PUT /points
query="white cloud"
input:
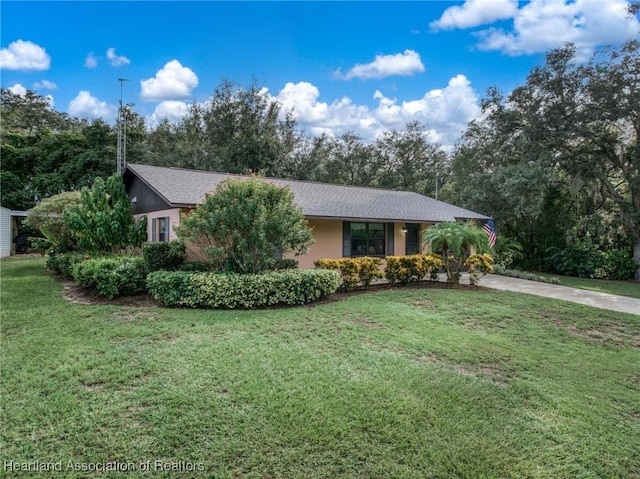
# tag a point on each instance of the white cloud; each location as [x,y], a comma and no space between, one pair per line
[45,85]
[406,63]
[475,12]
[303,98]
[87,106]
[171,82]
[27,56]
[445,111]
[541,25]
[116,60]
[90,61]
[172,110]
[18,89]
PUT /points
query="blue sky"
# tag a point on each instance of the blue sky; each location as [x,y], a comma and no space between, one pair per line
[342,66]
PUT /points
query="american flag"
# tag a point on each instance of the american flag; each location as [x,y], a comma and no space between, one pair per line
[491,231]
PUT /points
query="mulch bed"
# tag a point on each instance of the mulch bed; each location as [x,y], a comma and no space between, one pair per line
[76,294]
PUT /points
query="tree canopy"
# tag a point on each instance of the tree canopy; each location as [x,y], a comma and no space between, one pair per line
[558,159]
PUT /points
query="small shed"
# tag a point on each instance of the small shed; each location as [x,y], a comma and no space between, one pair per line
[9,229]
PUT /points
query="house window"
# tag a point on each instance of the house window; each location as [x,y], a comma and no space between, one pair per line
[367,239]
[160,229]
[412,238]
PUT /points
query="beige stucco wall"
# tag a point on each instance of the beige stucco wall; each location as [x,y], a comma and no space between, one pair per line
[398,240]
[327,235]
[328,242]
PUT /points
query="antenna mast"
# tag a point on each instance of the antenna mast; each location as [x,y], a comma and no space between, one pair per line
[121,161]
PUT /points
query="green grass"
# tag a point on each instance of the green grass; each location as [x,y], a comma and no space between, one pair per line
[413,383]
[622,288]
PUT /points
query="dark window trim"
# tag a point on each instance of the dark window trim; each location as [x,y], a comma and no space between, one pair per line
[388,243]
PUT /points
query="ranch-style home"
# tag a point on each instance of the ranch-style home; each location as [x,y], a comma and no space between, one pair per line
[347,221]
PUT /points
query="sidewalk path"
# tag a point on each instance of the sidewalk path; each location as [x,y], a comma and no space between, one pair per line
[607,301]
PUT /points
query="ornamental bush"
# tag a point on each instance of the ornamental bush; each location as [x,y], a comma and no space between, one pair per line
[63,263]
[113,276]
[230,291]
[477,266]
[415,267]
[583,259]
[47,217]
[353,271]
[103,222]
[167,255]
[244,225]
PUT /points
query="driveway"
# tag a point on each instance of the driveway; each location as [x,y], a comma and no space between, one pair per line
[610,302]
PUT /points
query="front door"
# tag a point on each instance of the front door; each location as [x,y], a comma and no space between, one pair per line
[412,238]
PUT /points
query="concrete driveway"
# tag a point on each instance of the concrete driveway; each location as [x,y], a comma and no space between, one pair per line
[606,301]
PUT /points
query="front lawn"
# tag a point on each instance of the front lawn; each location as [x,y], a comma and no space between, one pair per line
[408,383]
[622,288]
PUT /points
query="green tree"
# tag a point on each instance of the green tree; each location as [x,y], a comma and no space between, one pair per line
[244,225]
[48,218]
[103,222]
[409,161]
[455,240]
[44,152]
[349,161]
[239,130]
[29,113]
[557,161]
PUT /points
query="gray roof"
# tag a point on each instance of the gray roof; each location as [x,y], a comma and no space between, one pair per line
[182,187]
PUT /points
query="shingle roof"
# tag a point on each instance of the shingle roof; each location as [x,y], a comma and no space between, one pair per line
[182,187]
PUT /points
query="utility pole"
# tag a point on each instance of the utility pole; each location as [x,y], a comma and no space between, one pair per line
[437,185]
[121,160]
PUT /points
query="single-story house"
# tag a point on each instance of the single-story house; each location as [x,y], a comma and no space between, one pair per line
[346,220]
[9,220]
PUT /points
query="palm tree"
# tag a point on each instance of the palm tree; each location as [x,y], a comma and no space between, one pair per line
[455,240]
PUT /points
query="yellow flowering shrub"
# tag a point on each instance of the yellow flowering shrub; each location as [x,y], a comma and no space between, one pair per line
[354,271]
[477,266]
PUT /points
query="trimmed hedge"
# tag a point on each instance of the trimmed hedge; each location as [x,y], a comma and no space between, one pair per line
[113,276]
[353,271]
[163,255]
[230,291]
[414,267]
[63,263]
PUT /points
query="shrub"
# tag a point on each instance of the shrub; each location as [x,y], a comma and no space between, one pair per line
[163,255]
[618,265]
[102,222]
[244,224]
[285,264]
[63,263]
[47,217]
[584,260]
[415,267]
[229,290]
[113,276]
[196,267]
[506,250]
[580,259]
[353,271]
[477,266]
